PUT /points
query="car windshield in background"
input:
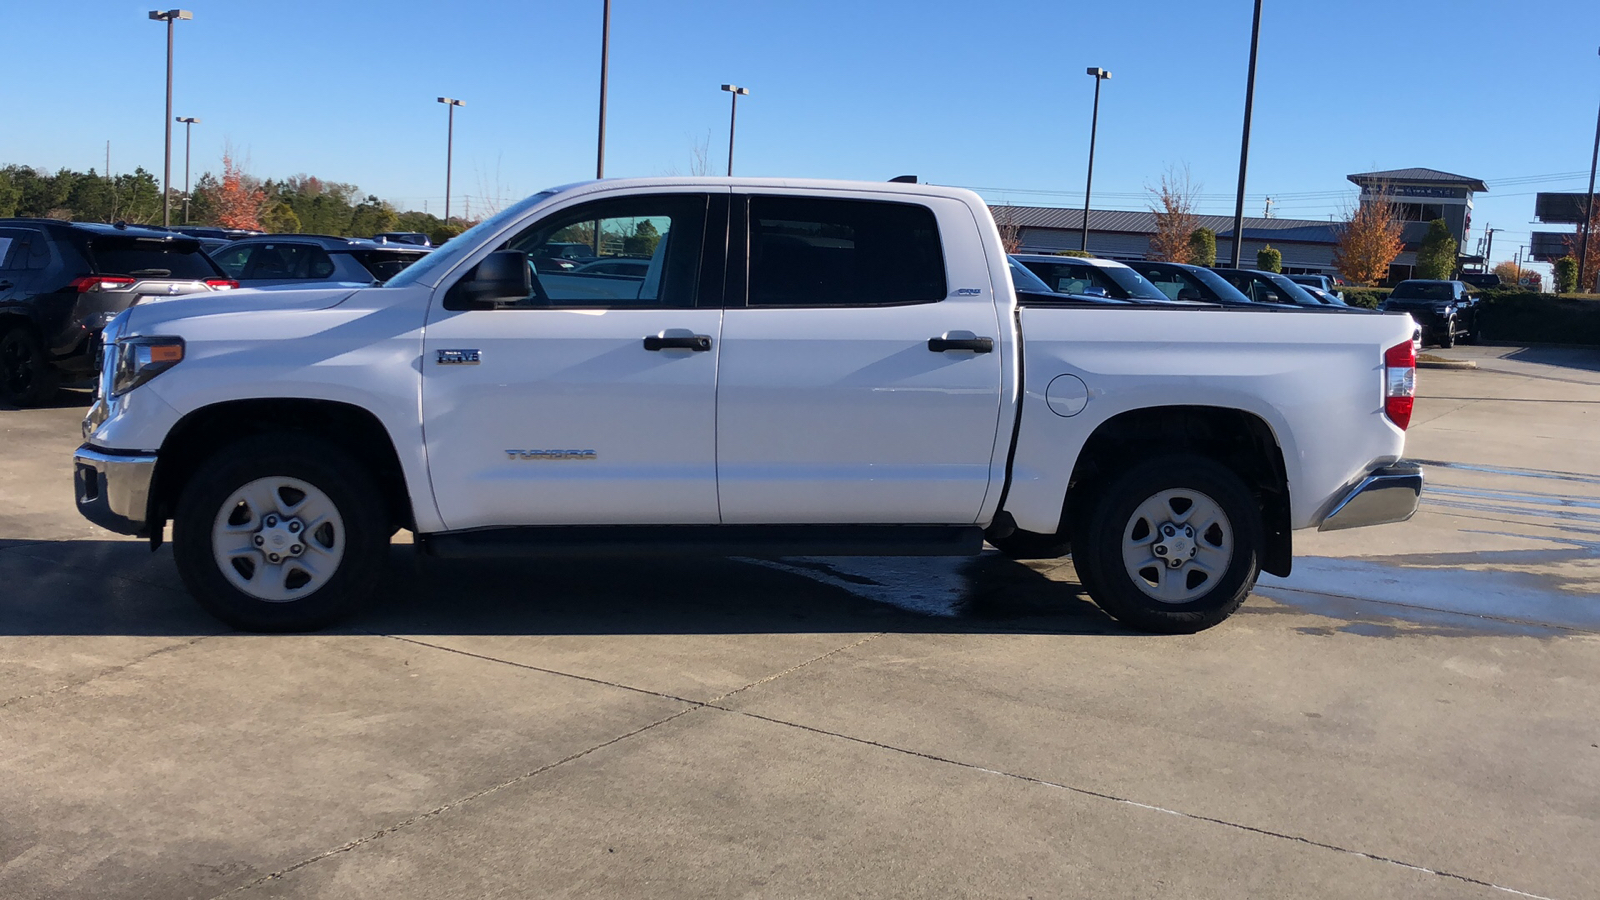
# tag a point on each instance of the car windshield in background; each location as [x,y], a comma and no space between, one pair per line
[1418,290]
[385,264]
[1118,282]
[150,257]
[1024,280]
[441,256]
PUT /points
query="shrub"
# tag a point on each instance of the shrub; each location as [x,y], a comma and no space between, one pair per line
[1566,274]
[1527,317]
[1081,254]
[1366,298]
[1269,260]
[1203,247]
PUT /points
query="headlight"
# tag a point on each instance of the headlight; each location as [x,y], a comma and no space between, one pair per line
[1442,309]
[140,359]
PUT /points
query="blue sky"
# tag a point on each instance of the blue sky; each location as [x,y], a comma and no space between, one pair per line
[986,95]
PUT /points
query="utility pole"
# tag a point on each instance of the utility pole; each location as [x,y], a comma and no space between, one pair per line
[1586,281]
[170,16]
[605,52]
[188,123]
[1488,254]
[1244,143]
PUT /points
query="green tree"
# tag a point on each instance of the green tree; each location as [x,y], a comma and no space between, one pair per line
[1269,259]
[1436,258]
[643,241]
[370,217]
[1203,247]
[1081,254]
[444,233]
[1566,274]
[280,219]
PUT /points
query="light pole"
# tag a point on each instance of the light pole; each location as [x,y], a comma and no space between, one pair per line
[188,123]
[733,117]
[1488,251]
[1244,142]
[1587,283]
[449,150]
[170,16]
[1099,75]
[605,52]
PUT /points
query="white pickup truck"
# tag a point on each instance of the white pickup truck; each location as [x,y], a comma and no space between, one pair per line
[738,367]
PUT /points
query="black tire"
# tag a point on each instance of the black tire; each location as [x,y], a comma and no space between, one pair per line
[327,468]
[26,376]
[1447,337]
[1099,545]
[1021,544]
[1474,333]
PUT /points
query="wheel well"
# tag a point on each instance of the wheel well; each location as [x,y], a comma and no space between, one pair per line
[1239,440]
[207,430]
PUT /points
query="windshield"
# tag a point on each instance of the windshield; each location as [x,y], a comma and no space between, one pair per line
[445,254]
[1226,292]
[1294,292]
[1070,276]
[1422,290]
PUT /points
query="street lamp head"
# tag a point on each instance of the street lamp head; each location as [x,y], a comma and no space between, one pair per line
[1097,72]
[187,120]
[171,14]
[452,101]
[735,89]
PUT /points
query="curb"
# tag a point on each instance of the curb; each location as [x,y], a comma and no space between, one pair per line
[1446,364]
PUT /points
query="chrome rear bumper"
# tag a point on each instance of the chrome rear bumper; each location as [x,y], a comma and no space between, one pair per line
[114,489]
[1386,495]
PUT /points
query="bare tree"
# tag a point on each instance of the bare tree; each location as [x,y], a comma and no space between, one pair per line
[1173,203]
[1005,219]
[493,193]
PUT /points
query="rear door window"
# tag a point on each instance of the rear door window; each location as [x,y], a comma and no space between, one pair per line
[808,251]
[150,258]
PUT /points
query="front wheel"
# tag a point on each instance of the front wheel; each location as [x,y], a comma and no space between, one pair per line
[1173,545]
[26,376]
[280,533]
[1447,337]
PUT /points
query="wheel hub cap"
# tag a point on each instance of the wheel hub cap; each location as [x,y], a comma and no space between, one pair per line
[278,539]
[1176,545]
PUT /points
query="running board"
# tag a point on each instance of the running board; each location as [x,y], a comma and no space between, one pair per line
[759,541]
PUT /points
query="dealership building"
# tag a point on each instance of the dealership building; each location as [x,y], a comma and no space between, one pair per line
[1419,195]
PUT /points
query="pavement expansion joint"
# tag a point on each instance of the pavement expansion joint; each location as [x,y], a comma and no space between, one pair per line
[1101,795]
[534,668]
[109,670]
[794,668]
[440,810]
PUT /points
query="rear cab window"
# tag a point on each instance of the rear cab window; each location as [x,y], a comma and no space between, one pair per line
[150,258]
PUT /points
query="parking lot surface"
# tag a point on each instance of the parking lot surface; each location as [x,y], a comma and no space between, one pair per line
[1415,712]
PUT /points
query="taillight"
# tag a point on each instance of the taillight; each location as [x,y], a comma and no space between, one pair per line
[221,284]
[1399,383]
[100,283]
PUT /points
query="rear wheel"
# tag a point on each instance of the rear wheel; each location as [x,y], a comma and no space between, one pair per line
[1173,545]
[280,533]
[26,376]
[1447,336]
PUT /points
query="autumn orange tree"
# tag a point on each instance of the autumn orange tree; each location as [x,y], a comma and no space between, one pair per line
[1173,204]
[1369,239]
[237,202]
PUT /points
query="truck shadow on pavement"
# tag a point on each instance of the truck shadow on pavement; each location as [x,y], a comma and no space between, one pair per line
[87,587]
[1586,358]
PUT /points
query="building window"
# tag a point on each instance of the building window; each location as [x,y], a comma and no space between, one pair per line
[1419,212]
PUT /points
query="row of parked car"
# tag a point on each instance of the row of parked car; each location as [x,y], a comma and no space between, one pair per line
[61,282]
[1445,311]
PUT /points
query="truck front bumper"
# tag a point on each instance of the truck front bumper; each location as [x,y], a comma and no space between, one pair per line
[1386,495]
[114,489]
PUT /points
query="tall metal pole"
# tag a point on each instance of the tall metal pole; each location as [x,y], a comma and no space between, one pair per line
[1094,127]
[449,150]
[166,169]
[1586,282]
[1244,142]
[605,52]
[1488,252]
[188,125]
[733,118]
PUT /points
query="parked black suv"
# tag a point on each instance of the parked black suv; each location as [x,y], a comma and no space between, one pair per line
[1446,310]
[61,282]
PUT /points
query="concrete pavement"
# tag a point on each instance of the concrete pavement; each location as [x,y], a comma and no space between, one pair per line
[1413,713]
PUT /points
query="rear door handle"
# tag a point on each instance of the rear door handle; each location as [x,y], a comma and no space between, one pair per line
[696,342]
[976,344]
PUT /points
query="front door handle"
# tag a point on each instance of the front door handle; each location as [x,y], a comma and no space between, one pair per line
[696,342]
[4,285]
[975,344]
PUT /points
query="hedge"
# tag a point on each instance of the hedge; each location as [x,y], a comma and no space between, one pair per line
[1366,298]
[1527,317]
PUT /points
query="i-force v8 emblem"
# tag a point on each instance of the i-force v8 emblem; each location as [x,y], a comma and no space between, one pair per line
[458,357]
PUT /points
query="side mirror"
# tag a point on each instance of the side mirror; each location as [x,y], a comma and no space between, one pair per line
[503,275]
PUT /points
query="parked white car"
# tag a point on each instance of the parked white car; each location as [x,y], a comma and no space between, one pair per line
[805,367]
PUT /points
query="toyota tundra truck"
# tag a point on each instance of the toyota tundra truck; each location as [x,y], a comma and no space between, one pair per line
[801,368]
